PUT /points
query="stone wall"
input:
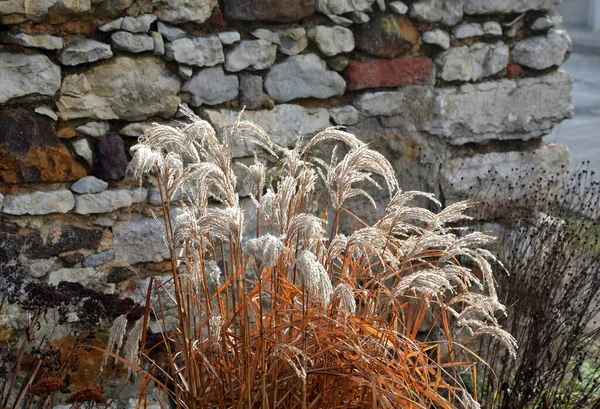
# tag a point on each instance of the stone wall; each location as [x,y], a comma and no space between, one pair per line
[467,88]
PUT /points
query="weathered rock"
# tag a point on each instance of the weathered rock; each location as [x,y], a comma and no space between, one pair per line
[437,37]
[98,259]
[343,6]
[125,87]
[257,54]
[83,50]
[111,26]
[211,86]
[133,43]
[267,35]
[30,150]
[139,195]
[303,76]
[43,41]
[410,106]
[139,240]
[17,11]
[283,124]
[252,95]
[387,35]
[47,111]
[472,63]
[83,149]
[89,184]
[229,37]
[198,51]
[268,10]
[551,19]
[169,32]
[1,200]
[36,203]
[292,41]
[96,129]
[338,63]
[389,73]
[83,276]
[492,28]
[40,268]
[506,7]
[103,202]
[543,51]
[398,7]
[468,30]
[449,12]
[135,129]
[159,43]
[185,71]
[332,40]
[112,8]
[27,76]
[139,24]
[111,161]
[339,20]
[524,109]
[183,11]
[359,17]
[346,115]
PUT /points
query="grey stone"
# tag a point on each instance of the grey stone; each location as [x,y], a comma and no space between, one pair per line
[37,203]
[198,51]
[551,19]
[103,202]
[338,63]
[1,200]
[139,240]
[17,11]
[472,63]
[96,129]
[359,17]
[83,149]
[412,104]
[125,87]
[257,54]
[211,86]
[185,71]
[40,268]
[24,75]
[346,115]
[43,41]
[229,37]
[83,50]
[267,35]
[449,12]
[139,195]
[104,221]
[543,51]
[303,76]
[292,41]
[524,109]
[89,184]
[468,30]
[133,43]
[283,124]
[135,129]
[339,20]
[343,6]
[183,11]
[398,7]
[112,26]
[139,24]
[437,37]
[46,110]
[96,260]
[159,43]
[332,40]
[506,6]
[169,32]
[85,276]
[492,28]
[252,95]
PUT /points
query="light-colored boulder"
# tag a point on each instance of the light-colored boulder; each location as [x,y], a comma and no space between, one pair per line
[138,24]
[199,51]
[135,129]
[83,149]
[211,86]
[46,110]
[78,100]
[472,63]
[492,28]
[449,12]
[96,129]
[40,268]
[24,75]
[267,35]
[89,184]
[292,41]
[183,11]
[543,52]
[437,37]
[132,43]
[17,11]
[37,203]
[96,260]
[398,7]
[229,37]
[332,40]
[257,54]
[468,30]
[551,19]
[139,240]
[303,76]
[43,41]
[84,276]
[111,26]
[159,43]
[339,20]
[83,50]
[506,6]
[185,71]
[346,115]
[103,202]
[169,32]
[343,6]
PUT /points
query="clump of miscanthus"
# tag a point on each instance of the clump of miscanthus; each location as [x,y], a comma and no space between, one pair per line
[300,315]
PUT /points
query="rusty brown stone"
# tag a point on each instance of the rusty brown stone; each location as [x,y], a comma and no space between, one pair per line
[268,10]
[67,133]
[513,71]
[387,35]
[388,73]
[30,150]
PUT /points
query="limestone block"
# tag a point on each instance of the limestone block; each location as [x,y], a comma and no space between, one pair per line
[17,77]
[211,86]
[37,203]
[543,52]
